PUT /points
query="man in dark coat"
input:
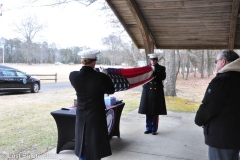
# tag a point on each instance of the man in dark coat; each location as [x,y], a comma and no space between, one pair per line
[219,113]
[91,135]
[152,100]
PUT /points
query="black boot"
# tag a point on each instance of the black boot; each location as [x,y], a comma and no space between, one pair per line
[147,132]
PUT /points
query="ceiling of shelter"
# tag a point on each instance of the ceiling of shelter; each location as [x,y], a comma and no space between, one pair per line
[180,24]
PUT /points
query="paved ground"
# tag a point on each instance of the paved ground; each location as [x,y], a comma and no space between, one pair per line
[178,138]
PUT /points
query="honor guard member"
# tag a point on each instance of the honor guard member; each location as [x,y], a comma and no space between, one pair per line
[91,132]
[152,100]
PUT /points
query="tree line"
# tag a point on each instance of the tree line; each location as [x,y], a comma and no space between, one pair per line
[118,50]
[184,62]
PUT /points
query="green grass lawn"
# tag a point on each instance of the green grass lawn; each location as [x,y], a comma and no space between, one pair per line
[27,127]
[177,104]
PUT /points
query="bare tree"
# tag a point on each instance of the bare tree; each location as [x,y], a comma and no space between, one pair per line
[183,63]
[12,47]
[209,64]
[28,28]
[132,54]
[194,58]
[113,45]
[111,17]
[178,64]
[170,82]
[202,64]
[188,65]
[53,3]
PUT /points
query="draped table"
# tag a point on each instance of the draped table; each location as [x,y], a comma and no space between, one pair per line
[66,118]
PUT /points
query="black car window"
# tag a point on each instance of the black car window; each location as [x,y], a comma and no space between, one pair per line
[1,74]
[9,73]
[21,74]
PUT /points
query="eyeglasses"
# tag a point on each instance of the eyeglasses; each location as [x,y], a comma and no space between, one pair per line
[217,60]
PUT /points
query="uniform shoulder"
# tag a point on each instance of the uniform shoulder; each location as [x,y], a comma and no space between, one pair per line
[159,67]
[101,74]
[74,72]
[162,66]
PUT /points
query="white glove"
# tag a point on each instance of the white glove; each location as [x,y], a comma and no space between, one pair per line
[153,68]
[103,70]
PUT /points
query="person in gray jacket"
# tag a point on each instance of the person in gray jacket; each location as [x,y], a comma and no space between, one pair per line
[219,113]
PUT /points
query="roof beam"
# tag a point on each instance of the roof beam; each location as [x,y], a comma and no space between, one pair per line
[121,21]
[233,23]
[149,42]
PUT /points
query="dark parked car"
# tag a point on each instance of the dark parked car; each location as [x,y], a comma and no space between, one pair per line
[12,80]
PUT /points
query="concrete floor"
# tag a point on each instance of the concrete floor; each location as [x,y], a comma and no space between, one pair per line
[178,138]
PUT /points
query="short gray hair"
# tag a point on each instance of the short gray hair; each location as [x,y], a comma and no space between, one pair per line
[228,55]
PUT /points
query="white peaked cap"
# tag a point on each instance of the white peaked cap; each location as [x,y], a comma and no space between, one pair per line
[89,54]
[153,56]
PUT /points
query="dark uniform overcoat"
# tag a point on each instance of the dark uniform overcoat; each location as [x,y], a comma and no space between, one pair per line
[91,125]
[152,99]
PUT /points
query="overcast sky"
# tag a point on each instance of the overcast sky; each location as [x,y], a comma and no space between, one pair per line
[69,25]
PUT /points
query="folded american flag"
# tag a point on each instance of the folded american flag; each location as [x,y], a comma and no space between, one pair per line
[127,78]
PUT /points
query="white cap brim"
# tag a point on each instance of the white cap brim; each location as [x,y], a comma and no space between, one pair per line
[151,56]
[89,54]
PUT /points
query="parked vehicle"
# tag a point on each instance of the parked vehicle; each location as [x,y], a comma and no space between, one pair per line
[58,63]
[12,80]
[71,63]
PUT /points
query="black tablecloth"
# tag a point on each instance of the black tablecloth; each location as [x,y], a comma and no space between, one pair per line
[65,120]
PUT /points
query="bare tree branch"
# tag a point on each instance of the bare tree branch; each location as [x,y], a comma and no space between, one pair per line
[28,28]
[53,3]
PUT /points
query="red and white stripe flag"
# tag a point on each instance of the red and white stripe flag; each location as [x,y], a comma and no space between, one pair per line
[127,78]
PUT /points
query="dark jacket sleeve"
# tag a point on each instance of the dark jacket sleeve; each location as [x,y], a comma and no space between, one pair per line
[213,101]
[160,72]
[107,85]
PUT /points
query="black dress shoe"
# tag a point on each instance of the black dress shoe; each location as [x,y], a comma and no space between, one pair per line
[147,132]
[154,133]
